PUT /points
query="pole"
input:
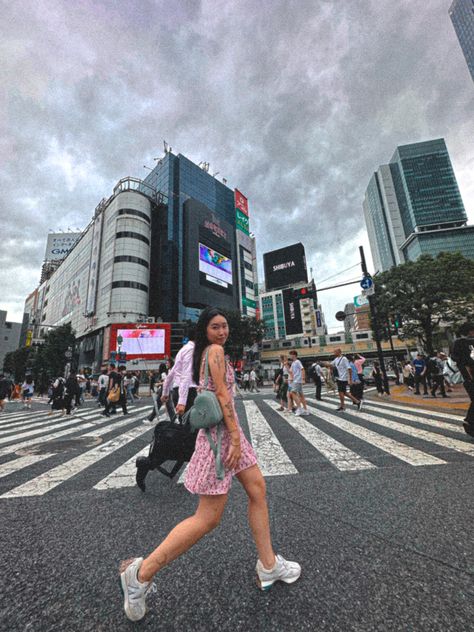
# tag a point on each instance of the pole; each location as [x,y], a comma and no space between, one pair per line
[394,357]
[375,324]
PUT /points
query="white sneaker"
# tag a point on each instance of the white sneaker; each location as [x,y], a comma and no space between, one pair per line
[134,592]
[305,412]
[283,570]
[299,412]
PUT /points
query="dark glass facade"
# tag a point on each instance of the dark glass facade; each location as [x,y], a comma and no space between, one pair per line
[462,17]
[427,182]
[180,179]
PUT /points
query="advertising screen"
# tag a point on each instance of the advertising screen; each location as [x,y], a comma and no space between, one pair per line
[150,341]
[292,311]
[216,267]
[142,341]
[285,267]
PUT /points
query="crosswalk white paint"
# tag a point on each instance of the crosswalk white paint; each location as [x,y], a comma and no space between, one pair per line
[19,464]
[52,478]
[339,455]
[93,423]
[394,448]
[14,419]
[412,409]
[123,476]
[466,447]
[272,458]
[34,423]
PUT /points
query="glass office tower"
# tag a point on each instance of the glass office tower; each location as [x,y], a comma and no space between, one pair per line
[462,17]
[413,206]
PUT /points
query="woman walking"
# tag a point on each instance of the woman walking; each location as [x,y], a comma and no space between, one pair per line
[239,458]
[27,389]
[378,379]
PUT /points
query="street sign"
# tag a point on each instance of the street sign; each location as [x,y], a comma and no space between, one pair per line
[369,291]
[340,316]
[366,283]
[360,301]
[29,338]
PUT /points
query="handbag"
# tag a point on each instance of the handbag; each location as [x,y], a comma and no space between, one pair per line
[206,413]
[114,394]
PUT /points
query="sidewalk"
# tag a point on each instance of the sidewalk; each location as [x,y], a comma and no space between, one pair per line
[458,401]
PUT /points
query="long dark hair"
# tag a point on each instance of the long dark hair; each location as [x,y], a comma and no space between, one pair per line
[201,341]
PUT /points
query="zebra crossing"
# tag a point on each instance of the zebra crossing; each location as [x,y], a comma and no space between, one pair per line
[43,453]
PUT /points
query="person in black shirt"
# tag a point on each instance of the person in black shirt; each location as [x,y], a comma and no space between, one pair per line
[463,354]
[71,390]
[116,378]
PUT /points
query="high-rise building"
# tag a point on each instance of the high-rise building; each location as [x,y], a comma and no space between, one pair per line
[462,17]
[9,336]
[413,206]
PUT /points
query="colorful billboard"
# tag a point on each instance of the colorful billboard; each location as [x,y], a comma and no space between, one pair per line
[241,202]
[242,221]
[148,341]
[216,267]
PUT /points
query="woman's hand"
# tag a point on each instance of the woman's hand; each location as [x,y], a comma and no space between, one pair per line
[233,456]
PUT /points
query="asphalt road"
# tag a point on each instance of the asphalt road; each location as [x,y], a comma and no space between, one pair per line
[377,507]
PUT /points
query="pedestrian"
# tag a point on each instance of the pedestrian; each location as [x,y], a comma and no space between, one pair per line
[4,391]
[463,354]
[328,378]
[452,374]
[253,381]
[359,361]
[343,375]
[136,384]
[128,387]
[57,396]
[180,377]
[356,387]
[246,380]
[81,382]
[72,391]
[27,390]
[378,378]
[436,365]
[116,380]
[408,376]
[282,382]
[137,574]
[297,380]
[102,384]
[317,375]
[419,364]
[158,379]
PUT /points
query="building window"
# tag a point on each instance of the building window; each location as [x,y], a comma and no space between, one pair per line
[5,337]
[8,325]
[129,259]
[131,284]
[132,211]
[130,235]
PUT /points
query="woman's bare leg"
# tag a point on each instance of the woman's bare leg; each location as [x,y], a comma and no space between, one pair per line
[254,485]
[184,535]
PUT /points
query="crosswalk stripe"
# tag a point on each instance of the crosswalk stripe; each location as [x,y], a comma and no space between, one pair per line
[394,448]
[339,455]
[411,409]
[22,424]
[407,417]
[272,458]
[432,437]
[93,423]
[21,463]
[52,478]
[18,418]
[123,476]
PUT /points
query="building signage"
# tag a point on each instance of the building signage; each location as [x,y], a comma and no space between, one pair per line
[241,202]
[286,266]
[215,228]
[59,245]
[360,301]
[94,265]
[292,311]
[248,302]
[318,318]
[242,221]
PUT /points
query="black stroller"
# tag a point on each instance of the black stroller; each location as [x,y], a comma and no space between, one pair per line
[173,440]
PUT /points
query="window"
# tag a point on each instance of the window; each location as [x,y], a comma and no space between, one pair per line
[129,259]
[132,211]
[130,235]
[5,337]
[8,325]
[131,284]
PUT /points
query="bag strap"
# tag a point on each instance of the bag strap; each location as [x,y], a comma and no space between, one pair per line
[216,449]
[206,369]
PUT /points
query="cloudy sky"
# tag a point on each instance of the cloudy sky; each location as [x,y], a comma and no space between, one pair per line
[295,102]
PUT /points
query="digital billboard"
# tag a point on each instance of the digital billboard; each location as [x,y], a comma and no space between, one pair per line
[141,340]
[292,311]
[284,267]
[216,267]
[209,258]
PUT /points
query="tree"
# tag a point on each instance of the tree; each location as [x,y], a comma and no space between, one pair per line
[243,332]
[50,358]
[16,362]
[426,293]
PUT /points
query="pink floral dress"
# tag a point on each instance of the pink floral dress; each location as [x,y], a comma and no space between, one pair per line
[201,475]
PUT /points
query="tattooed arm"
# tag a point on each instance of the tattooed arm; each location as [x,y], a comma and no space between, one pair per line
[217,369]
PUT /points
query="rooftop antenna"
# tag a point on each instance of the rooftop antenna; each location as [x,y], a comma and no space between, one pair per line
[166,146]
[224,180]
[215,174]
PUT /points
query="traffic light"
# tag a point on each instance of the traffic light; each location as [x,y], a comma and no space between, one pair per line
[304,292]
[122,356]
[113,356]
[397,322]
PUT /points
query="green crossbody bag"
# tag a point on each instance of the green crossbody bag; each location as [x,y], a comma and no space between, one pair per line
[206,413]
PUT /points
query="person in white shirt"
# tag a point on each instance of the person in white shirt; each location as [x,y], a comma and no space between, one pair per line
[180,377]
[253,381]
[343,374]
[297,379]
[102,384]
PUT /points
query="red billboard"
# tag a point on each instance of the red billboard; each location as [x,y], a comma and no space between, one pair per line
[149,341]
[241,202]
